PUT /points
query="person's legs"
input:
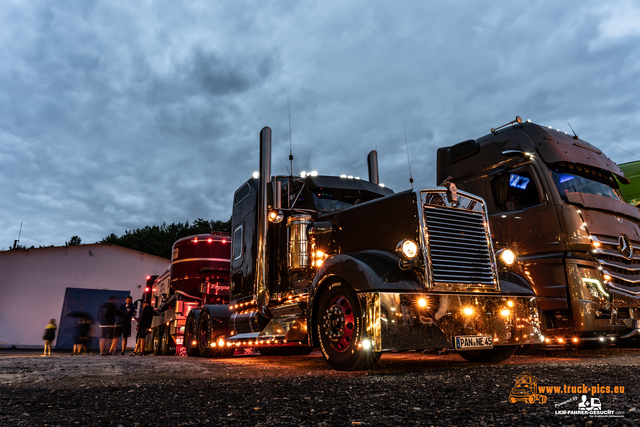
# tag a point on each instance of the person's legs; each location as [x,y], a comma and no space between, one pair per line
[47,348]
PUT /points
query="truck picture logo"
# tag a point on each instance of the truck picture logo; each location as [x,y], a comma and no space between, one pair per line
[526,390]
[625,247]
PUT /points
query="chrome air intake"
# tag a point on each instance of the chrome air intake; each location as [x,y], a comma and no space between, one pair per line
[458,251]
[620,259]
[299,248]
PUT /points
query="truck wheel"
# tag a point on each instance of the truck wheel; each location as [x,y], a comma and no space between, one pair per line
[156,341]
[223,351]
[339,325]
[494,355]
[528,349]
[304,351]
[165,341]
[204,335]
[190,330]
[542,398]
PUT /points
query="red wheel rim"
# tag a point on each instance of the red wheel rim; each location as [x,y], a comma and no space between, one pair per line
[339,325]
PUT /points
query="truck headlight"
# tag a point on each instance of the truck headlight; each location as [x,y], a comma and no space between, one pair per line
[592,282]
[507,256]
[408,249]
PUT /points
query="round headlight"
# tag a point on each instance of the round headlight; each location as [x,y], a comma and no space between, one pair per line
[408,249]
[508,257]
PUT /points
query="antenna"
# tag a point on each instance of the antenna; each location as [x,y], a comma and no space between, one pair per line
[633,154]
[574,132]
[408,160]
[290,152]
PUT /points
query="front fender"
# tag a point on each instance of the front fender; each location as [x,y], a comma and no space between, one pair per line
[512,283]
[365,271]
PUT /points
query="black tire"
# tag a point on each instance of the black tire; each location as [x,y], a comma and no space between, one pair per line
[223,351]
[267,351]
[304,351]
[190,335]
[204,335]
[494,355]
[528,349]
[628,342]
[155,341]
[339,327]
[166,341]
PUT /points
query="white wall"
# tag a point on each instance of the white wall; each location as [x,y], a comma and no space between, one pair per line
[33,283]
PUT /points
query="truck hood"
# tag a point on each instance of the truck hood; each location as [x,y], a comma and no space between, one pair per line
[607,217]
[600,203]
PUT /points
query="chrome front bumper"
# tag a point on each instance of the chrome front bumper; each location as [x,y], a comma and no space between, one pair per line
[398,321]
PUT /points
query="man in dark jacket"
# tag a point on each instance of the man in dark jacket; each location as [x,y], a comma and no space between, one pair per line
[144,323]
[127,311]
[107,313]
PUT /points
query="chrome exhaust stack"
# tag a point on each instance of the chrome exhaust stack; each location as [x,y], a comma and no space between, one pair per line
[372,162]
[261,287]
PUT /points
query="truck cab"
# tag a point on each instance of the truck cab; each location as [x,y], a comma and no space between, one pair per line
[553,200]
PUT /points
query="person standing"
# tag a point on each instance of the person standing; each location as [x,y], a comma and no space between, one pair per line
[144,323]
[49,336]
[127,312]
[108,312]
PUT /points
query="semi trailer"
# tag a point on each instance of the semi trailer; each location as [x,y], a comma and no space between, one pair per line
[560,227]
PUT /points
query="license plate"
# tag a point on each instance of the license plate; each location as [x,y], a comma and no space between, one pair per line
[472,342]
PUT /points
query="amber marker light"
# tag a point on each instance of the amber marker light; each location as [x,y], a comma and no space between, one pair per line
[575,340]
[468,311]
[422,302]
[561,340]
[505,312]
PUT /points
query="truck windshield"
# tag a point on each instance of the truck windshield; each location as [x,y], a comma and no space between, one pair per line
[333,199]
[568,183]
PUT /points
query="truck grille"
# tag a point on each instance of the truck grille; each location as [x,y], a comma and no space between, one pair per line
[459,251]
[625,273]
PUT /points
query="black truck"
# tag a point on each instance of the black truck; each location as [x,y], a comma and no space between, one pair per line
[355,269]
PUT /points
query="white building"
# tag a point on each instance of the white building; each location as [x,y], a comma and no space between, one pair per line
[41,284]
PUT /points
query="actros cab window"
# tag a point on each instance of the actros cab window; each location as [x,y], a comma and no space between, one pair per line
[514,191]
[568,183]
[333,199]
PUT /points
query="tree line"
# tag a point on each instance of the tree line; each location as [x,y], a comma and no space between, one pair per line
[156,239]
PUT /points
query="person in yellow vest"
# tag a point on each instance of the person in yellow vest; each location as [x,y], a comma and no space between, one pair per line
[49,336]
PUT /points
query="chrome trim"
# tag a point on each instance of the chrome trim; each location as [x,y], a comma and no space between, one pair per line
[261,288]
[456,241]
[395,321]
[631,334]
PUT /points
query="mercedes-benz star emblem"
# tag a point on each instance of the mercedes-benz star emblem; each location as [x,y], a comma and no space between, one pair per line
[625,247]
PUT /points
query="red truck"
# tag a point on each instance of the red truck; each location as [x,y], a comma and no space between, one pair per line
[195,284]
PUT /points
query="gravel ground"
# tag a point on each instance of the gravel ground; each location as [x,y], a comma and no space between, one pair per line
[404,389]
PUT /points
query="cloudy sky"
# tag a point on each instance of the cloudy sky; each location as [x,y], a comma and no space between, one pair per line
[119,114]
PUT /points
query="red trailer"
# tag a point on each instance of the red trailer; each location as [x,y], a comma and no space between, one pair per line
[196,282]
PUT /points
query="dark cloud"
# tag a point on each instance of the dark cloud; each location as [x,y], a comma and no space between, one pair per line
[116,115]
